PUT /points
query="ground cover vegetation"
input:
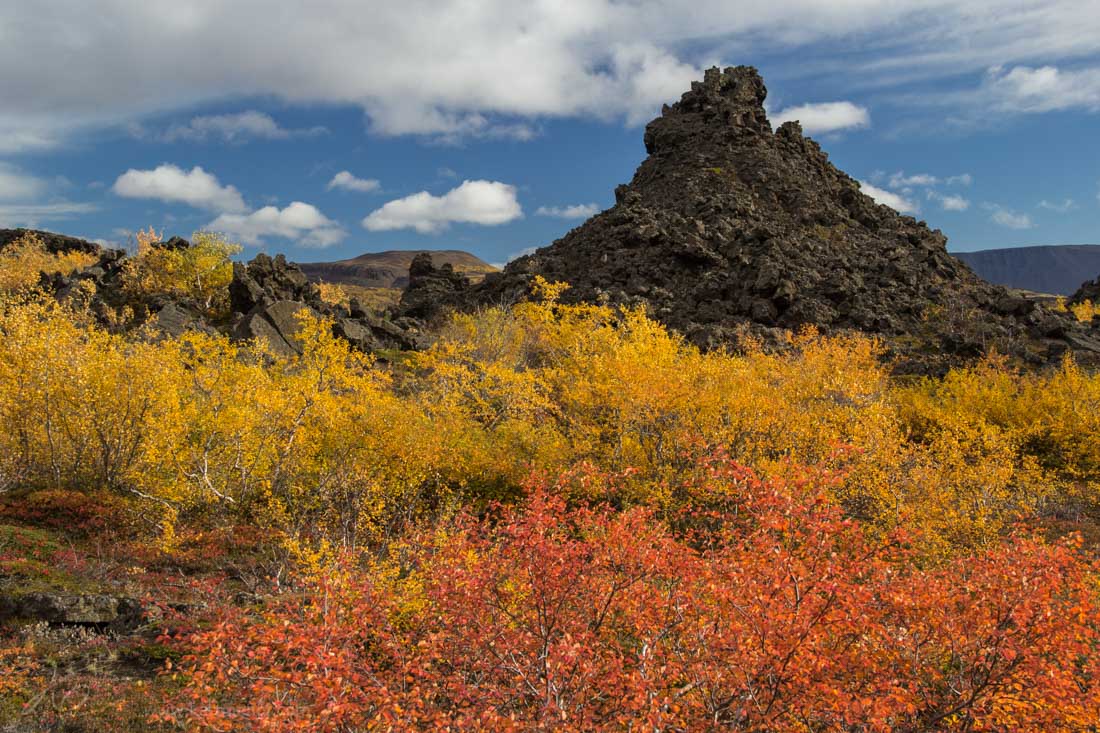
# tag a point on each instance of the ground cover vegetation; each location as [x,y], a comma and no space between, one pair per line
[557,516]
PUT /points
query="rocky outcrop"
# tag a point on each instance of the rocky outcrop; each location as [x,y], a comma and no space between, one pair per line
[1089,290]
[729,227]
[73,610]
[55,243]
[268,294]
[432,290]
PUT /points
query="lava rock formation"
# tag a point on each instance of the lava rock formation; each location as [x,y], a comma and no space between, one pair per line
[730,228]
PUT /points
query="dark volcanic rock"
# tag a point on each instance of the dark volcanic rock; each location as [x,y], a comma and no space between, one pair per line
[729,226]
[80,610]
[268,293]
[1089,290]
[431,290]
[55,243]
[266,280]
[265,296]
[277,324]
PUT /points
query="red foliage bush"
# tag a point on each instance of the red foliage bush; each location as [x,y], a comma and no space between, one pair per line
[75,513]
[780,615]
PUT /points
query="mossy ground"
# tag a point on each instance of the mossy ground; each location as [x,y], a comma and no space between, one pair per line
[92,679]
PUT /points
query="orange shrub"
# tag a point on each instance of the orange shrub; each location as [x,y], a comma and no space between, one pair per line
[766,611]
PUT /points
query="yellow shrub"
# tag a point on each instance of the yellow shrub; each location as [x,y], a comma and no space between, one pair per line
[80,404]
[333,451]
[201,272]
[1084,311]
[22,261]
[334,294]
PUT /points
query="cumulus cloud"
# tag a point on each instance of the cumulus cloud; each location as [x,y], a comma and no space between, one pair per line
[474,202]
[172,184]
[235,128]
[576,211]
[348,182]
[964,179]
[826,117]
[1059,206]
[1008,218]
[889,198]
[300,222]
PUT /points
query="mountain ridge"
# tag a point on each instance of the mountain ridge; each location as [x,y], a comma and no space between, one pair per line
[1055,269]
[390,268]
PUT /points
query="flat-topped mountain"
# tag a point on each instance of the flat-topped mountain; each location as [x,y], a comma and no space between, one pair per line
[390,269]
[1055,269]
[729,226]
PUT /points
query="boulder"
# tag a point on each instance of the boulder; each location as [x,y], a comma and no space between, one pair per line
[83,610]
[276,324]
[432,290]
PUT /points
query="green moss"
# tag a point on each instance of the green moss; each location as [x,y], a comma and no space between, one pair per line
[24,542]
[20,576]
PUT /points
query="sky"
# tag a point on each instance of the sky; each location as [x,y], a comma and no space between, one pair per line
[329,128]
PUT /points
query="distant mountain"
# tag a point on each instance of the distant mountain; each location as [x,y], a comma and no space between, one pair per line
[1054,269]
[390,269]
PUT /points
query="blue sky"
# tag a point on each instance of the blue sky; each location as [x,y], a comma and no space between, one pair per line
[335,127]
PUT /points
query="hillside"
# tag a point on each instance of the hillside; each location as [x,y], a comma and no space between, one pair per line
[390,269]
[1054,269]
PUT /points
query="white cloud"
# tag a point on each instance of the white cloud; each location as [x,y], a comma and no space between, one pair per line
[949,202]
[235,128]
[1007,217]
[300,222]
[826,117]
[576,211]
[475,202]
[15,140]
[900,180]
[172,184]
[105,62]
[1060,206]
[345,180]
[889,198]
[21,201]
[16,185]
[1024,89]
[964,179]
[31,215]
